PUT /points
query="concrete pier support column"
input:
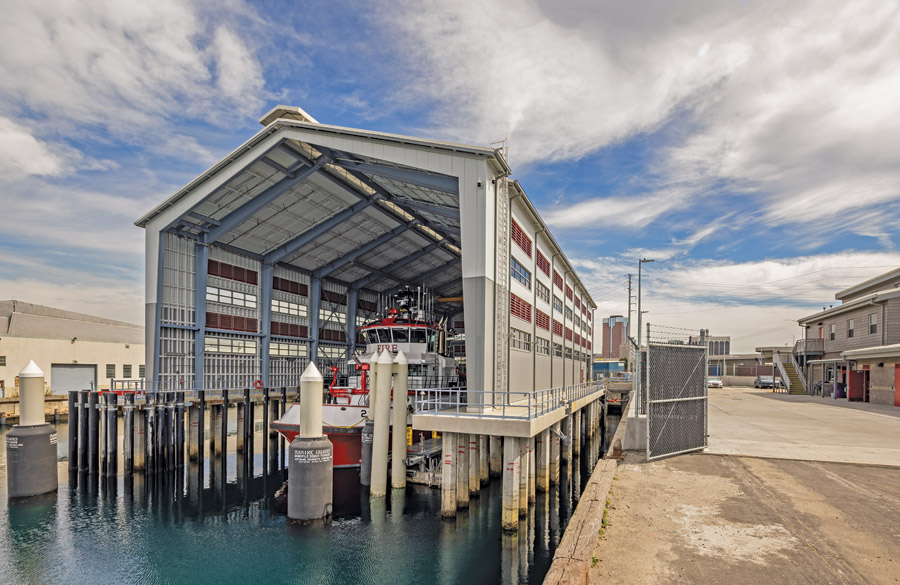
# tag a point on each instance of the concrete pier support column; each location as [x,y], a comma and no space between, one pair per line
[448,475]
[474,466]
[532,474]
[523,475]
[382,430]
[398,448]
[554,455]
[496,456]
[194,433]
[570,427]
[462,470]
[483,460]
[510,506]
[542,460]
[576,433]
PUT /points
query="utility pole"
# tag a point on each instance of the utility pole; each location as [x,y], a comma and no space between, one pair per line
[628,325]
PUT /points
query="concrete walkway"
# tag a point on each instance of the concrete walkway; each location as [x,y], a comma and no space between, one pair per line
[757,423]
[793,489]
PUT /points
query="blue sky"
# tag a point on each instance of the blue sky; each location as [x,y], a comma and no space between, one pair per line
[751,148]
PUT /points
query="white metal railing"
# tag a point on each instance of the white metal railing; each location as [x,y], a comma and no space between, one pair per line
[505,405]
[785,379]
[614,377]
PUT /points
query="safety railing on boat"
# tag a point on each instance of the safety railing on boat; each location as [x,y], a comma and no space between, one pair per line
[491,404]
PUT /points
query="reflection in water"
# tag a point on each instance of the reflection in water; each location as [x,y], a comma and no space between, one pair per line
[119,529]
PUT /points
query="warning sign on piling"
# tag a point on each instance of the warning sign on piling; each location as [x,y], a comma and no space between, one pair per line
[12,442]
[312,455]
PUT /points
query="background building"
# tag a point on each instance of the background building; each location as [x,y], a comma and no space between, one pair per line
[74,350]
[614,332]
[717,344]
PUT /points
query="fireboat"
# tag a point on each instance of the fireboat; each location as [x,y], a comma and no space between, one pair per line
[405,327]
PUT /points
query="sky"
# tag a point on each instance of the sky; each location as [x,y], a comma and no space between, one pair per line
[751,149]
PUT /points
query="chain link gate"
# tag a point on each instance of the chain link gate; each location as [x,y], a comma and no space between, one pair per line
[676,399]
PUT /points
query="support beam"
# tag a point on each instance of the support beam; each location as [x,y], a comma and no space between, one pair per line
[266,319]
[364,249]
[201,268]
[431,181]
[317,231]
[315,302]
[523,476]
[447,212]
[367,280]
[554,455]
[258,203]
[352,309]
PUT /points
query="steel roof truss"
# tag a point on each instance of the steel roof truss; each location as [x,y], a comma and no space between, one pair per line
[364,249]
[413,177]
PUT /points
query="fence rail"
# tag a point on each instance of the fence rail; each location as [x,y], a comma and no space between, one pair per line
[502,405]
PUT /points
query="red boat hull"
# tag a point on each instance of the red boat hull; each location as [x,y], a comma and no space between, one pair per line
[347,444]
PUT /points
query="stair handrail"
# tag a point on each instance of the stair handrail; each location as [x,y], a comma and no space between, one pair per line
[776,358]
[800,374]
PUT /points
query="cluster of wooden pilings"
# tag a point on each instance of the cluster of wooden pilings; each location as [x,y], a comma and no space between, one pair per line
[525,464]
[155,437]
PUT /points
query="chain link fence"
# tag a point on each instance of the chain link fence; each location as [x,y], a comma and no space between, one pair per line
[676,389]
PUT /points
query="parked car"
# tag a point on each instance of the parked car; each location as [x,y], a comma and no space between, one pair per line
[767,382]
[715,383]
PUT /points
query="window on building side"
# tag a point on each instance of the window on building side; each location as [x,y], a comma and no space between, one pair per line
[289,308]
[228,345]
[831,332]
[557,304]
[142,371]
[520,340]
[543,292]
[873,324]
[519,272]
[850,328]
[110,370]
[230,297]
[2,360]
[557,350]
[541,346]
[126,371]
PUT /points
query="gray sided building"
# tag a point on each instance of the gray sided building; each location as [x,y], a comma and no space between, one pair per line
[853,343]
[274,256]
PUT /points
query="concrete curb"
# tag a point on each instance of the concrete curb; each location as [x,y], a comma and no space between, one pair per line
[572,559]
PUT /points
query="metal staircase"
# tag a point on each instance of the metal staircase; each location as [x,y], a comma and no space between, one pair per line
[795,386]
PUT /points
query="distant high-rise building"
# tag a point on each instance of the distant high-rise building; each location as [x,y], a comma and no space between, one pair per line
[614,328]
[718,344]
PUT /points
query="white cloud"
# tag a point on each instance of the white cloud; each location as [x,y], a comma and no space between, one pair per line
[756,302]
[792,105]
[21,154]
[125,65]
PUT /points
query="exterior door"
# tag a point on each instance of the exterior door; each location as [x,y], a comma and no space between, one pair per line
[65,377]
[856,380]
[896,384]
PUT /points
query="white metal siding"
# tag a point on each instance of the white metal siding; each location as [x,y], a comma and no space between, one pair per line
[65,377]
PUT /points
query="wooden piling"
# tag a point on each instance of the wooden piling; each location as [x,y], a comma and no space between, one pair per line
[112,434]
[73,430]
[140,438]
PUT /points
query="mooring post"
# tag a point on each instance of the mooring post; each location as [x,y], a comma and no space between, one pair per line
[83,425]
[462,470]
[554,454]
[247,427]
[224,428]
[215,431]
[150,431]
[496,456]
[273,434]
[240,419]
[310,475]
[483,460]
[193,437]
[73,430]
[382,426]
[398,433]
[103,427]
[128,436]
[265,431]
[448,475]
[510,504]
[93,433]
[112,434]
[474,466]
[31,444]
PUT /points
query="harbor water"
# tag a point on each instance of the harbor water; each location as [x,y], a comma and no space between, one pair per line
[168,529]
